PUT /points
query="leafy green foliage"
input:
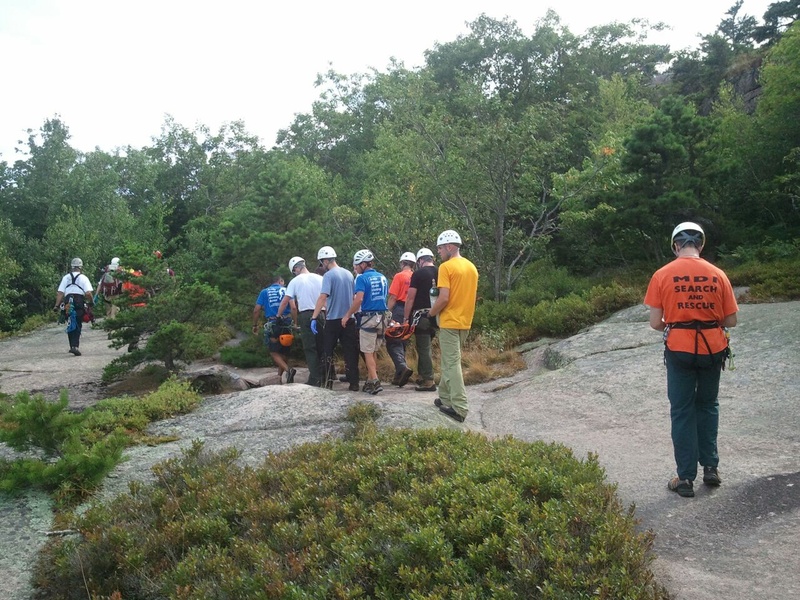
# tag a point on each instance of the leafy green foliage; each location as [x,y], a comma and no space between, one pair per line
[249,354]
[36,422]
[770,270]
[78,449]
[179,322]
[399,514]
[531,145]
[551,302]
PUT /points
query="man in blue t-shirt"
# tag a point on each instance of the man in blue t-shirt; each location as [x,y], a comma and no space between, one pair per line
[336,295]
[371,289]
[268,302]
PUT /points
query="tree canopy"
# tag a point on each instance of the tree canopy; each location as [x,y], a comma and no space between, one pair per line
[585,149]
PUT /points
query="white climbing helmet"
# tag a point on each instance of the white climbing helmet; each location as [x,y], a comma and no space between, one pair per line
[448,237]
[77,263]
[362,256]
[424,252]
[408,256]
[326,252]
[293,262]
[688,232]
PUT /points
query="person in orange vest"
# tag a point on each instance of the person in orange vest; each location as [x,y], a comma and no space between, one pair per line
[692,302]
[398,292]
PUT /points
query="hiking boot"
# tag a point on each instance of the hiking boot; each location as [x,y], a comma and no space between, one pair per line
[396,378]
[711,476]
[343,378]
[74,350]
[683,487]
[405,376]
[426,386]
[451,412]
[290,375]
[373,386]
[353,387]
[437,402]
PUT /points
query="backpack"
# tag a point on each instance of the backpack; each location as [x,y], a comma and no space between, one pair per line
[110,285]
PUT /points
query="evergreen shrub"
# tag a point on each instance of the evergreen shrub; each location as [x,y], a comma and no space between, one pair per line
[70,453]
[768,282]
[249,354]
[560,317]
[396,514]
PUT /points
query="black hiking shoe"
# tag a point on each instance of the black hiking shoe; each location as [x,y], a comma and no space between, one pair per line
[353,387]
[405,376]
[683,487]
[74,350]
[290,375]
[451,412]
[437,402]
[711,476]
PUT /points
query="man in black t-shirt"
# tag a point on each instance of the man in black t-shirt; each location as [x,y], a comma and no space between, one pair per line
[419,297]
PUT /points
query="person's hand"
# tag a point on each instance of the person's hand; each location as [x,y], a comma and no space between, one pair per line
[55,308]
[314,326]
[255,328]
[344,321]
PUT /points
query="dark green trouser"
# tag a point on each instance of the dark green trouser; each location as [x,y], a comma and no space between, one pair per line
[312,347]
[424,355]
[693,388]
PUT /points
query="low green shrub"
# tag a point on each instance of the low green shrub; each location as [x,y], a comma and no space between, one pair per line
[79,449]
[563,316]
[542,281]
[34,322]
[769,282]
[397,514]
[133,415]
[250,353]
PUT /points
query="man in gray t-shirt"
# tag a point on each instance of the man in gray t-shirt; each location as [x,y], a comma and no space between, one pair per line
[336,295]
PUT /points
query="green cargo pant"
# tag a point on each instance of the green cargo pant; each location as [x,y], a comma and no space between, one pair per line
[452,391]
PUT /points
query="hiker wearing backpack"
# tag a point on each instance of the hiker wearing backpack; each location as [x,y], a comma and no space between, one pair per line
[110,287]
[74,298]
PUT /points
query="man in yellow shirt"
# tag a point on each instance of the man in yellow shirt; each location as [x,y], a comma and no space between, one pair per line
[455,308]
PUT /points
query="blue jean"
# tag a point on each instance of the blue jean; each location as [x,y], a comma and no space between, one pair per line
[693,390]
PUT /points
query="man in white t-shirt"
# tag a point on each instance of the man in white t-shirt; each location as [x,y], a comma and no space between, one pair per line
[301,295]
[75,293]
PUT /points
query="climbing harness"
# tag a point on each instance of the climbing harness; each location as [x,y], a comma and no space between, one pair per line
[365,321]
[699,327]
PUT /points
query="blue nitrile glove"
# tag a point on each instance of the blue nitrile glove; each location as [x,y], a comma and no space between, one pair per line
[314,326]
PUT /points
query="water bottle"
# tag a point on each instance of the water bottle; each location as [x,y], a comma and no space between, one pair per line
[433,294]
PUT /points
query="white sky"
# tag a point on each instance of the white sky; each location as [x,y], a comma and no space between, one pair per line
[113,69]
